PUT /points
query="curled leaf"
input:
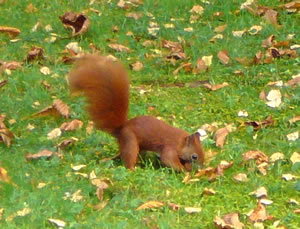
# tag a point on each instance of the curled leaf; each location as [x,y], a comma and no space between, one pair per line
[42,154]
[35,53]
[220,136]
[229,221]
[79,23]
[150,204]
[259,214]
[119,48]
[70,126]
[12,32]
[215,87]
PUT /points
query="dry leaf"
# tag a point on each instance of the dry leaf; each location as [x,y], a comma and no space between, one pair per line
[223,56]
[268,42]
[293,201]
[260,192]
[4,176]
[295,158]
[217,36]
[255,29]
[241,177]
[208,191]
[291,121]
[197,9]
[12,32]
[207,60]
[191,210]
[293,136]
[174,207]
[74,48]
[76,196]
[220,28]
[259,214]
[41,185]
[67,142]
[79,23]
[101,205]
[150,204]
[55,133]
[215,87]
[257,155]
[243,114]
[276,156]
[23,212]
[229,221]
[274,98]
[266,201]
[134,15]
[119,48]
[261,124]
[239,33]
[220,136]
[271,17]
[294,82]
[77,167]
[45,70]
[42,154]
[137,66]
[6,136]
[72,125]
[2,83]
[35,53]
[288,177]
[1,213]
[62,108]
[11,65]
[297,211]
[59,223]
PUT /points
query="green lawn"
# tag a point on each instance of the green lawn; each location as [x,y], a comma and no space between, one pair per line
[154,91]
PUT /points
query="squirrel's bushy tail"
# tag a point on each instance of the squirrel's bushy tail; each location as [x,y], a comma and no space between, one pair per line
[106,85]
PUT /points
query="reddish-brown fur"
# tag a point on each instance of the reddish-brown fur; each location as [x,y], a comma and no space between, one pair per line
[106,85]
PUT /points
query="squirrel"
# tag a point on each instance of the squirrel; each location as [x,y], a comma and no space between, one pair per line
[105,83]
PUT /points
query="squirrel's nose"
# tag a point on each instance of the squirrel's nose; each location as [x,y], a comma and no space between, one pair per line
[194,157]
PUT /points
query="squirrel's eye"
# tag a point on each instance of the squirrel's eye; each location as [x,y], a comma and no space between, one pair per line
[194,157]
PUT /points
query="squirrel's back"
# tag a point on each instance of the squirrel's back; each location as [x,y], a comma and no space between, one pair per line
[105,83]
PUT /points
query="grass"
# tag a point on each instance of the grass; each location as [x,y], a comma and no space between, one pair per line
[184,107]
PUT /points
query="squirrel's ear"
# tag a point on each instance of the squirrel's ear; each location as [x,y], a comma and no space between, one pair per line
[192,138]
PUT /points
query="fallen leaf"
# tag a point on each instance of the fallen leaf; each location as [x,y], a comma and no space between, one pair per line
[257,155]
[2,83]
[11,65]
[241,177]
[134,15]
[217,36]
[294,82]
[77,167]
[55,133]
[137,66]
[276,156]
[291,121]
[229,221]
[297,211]
[220,136]
[35,53]
[58,107]
[150,204]
[6,136]
[260,192]
[208,191]
[1,213]
[41,185]
[293,201]
[79,23]
[260,124]
[67,142]
[74,48]
[239,33]
[243,114]
[101,205]
[222,166]
[288,177]
[254,29]
[215,87]
[293,136]
[76,196]
[244,61]
[42,154]
[59,223]
[4,176]
[174,207]
[220,28]
[23,212]
[259,214]
[268,42]
[72,125]
[197,9]
[12,32]
[291,5]
[295,158]
[191,210]
[119,48]
[274,98]
[271,17]
[223,56]
[266,201]
[207,60]
[45,70]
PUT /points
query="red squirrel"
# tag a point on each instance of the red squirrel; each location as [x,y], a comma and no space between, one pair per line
[105,83]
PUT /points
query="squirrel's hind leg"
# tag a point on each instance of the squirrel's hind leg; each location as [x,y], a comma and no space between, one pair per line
[129,148]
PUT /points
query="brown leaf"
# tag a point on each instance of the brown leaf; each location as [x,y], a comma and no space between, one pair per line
[229,221]
[271,17]
[57,108]
[295,119]
[258,57]
[186,66]
[259,214]
[208,191]
[191,210]
[174,207]
[294,82]
[244,61]
[11,65]
[137,66]
[261,192]
[119,48]
[66,142]
[220,136]
[215,87]
[150,204]
[197,9]
[241,177]
[134,15]
[261,124]
[35,53]
[72,125]
[220,28]
[222,166]
[6,136]
[201,66]
[223,56]
[262,95]
[42,154]
[2,83]
[268,42]
[100,205]
[4,176]
[257,155]
[79,23]
[12,32]
[291,5]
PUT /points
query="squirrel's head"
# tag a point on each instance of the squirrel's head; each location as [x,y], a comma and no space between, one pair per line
[192,150]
